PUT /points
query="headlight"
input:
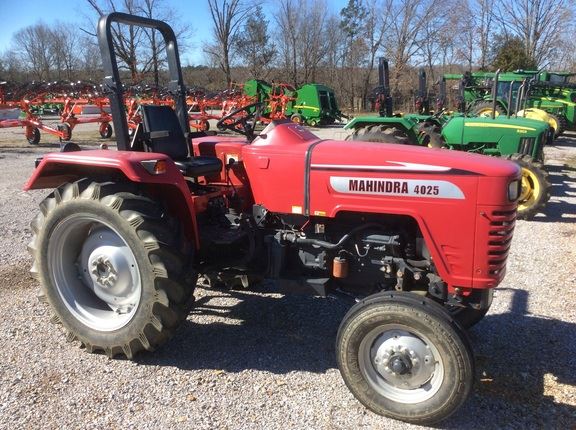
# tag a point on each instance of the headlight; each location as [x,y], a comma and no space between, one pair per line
[514,190]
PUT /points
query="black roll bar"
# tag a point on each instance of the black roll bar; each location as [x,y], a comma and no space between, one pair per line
[112,81]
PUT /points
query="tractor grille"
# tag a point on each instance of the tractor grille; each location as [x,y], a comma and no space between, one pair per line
[499,239]
[527,145]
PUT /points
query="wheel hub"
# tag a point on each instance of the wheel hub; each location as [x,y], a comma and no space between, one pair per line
[400,364]
[108,268]
[103,272]
[403,360]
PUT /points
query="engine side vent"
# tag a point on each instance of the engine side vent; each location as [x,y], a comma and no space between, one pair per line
[502,225]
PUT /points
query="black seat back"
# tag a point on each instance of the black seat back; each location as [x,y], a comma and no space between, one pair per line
[162,132]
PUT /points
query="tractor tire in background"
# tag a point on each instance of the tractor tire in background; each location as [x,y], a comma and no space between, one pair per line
[429,135]
[105,130]
[380,133]
[112,266]
[297,118]
[535,191]
[33,136]
[66,131]
[404,357]
[485,109]
[559,122]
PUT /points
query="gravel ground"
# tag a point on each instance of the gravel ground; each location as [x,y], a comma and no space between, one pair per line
[253,360]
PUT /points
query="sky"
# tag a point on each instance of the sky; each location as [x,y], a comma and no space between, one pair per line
[16,15]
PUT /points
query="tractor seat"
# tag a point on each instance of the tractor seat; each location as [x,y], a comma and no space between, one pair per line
[161,132]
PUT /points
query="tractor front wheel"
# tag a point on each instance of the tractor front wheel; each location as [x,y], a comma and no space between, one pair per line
[112,266]
[535,191]
[404,357]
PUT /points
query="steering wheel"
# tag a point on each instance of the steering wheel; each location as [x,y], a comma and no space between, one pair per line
[241,124]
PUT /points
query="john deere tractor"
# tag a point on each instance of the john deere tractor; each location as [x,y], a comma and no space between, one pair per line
[533,94]
[517,139]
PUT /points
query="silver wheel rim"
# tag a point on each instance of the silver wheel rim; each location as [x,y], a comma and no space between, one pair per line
[94,272]
[401,365]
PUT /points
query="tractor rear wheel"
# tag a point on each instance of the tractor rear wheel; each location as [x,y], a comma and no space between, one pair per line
[485,109]
[404,357]
[535,191]
[112,266]
[380,133]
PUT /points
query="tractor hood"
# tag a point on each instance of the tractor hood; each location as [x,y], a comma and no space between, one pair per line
[292,170]
[409,159]
[531,125]
[297,142]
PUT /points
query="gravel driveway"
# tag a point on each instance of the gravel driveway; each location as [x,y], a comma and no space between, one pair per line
[254,360]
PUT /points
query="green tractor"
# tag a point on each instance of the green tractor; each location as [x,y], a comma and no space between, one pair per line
[517,139]
[525,92]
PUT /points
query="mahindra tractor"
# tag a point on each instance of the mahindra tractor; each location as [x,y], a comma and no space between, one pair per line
[126,235]
[520,140]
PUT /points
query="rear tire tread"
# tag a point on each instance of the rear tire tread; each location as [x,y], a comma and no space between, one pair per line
[169,259]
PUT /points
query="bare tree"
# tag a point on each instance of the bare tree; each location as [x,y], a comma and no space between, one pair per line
[288,18]
[375,27]
[463,24]
[33,43]
[538,23]
[483,11]
[407,30]
[90,63]
[157,9]
[311,41]
[227,16]
[334,43]
[436,36]
[140,50]
[127,39]
[64,45]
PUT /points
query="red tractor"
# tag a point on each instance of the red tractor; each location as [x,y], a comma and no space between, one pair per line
[418,237]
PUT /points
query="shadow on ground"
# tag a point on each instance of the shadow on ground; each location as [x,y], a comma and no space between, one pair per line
[523,364]
[521,358]
[260,332]
[563,185]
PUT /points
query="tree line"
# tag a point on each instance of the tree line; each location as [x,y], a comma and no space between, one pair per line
[300,41]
